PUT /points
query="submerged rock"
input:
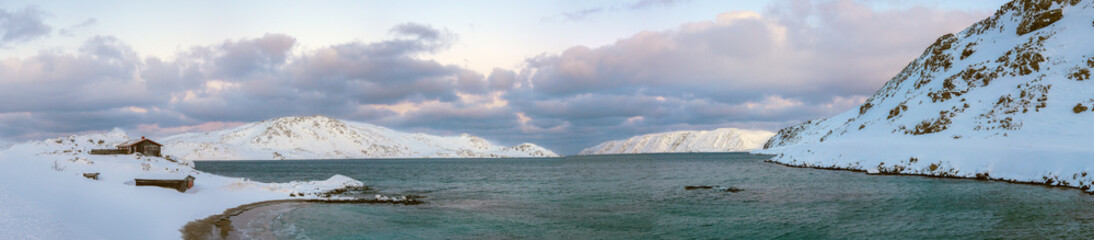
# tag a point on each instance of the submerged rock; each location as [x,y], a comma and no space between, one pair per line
[697,187]
[724,189]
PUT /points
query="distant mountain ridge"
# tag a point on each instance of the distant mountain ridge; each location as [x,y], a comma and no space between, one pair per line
[1008,98]
[718,140]
[320,137]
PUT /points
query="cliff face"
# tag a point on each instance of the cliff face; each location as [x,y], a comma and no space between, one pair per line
[992,101]
[719,140]
[319,137]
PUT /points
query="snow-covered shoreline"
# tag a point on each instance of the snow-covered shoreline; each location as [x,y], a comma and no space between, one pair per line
[45,195]
[1017,160]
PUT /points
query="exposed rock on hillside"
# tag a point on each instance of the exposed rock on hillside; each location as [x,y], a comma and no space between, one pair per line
[1006,98]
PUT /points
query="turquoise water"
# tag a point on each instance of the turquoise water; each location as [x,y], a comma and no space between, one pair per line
[643,197]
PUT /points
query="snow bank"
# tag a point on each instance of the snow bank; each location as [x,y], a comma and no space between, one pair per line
[44,194]
[1022,160]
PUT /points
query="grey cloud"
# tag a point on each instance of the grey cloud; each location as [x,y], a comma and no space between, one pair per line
[425,39]
[109,49]
[643,4]
[26,126]
[21,26]
[420,31]
[100,77]
[471,82]
[239,58]
[797,61]
[355,71]
[741,58]
[737,70]
[581,14]
[69,31]
[268,80]
[107,83]
[455,119]
[501,79]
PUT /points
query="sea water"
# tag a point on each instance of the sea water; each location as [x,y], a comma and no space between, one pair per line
[643,196]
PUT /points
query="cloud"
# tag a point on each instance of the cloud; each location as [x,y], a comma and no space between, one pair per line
[22,26]
[69,31]
[796,61]
[90,80]
[644,4]
[238,80]
[154,129]
[238,59]
[583,14]
[419,31]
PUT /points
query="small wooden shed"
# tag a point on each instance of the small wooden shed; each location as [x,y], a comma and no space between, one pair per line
[180,185]
[143,146]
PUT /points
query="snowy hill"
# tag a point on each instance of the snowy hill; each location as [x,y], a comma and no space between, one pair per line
[45,195]
[319,137]
[1008,98]
[718,140]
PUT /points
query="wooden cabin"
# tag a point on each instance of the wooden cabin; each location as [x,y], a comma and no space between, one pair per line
[143,146]
[180,185]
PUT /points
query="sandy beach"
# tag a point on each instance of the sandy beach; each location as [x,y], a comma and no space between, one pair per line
[252,221]
[249,221]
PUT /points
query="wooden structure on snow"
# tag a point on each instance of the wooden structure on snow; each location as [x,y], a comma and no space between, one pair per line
[180,185]
[144,146]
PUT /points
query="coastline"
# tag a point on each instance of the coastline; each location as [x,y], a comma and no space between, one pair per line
[977,178]
[228,224]
[1020,160]
[222,226]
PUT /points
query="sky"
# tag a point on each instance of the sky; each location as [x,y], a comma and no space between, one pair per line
[562,74]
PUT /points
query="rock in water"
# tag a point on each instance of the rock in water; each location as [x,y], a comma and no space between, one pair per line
[697,187]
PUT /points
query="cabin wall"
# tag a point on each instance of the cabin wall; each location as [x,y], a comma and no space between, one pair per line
[148,149]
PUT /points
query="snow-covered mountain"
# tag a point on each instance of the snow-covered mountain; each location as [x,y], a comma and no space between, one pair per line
[1009,97]
[319,137]
[718,140]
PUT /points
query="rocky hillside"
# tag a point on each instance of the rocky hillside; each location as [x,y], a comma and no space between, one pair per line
[1009,97]
[319,137]
[719,140]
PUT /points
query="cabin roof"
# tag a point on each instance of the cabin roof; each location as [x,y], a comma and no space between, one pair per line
[137,141]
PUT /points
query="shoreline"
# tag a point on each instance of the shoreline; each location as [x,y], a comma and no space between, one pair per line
[977,178]
[224,225]
[254,220]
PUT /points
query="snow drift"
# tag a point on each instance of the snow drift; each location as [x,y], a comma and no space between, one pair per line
[1008,98]
[718,140]
[44,195]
